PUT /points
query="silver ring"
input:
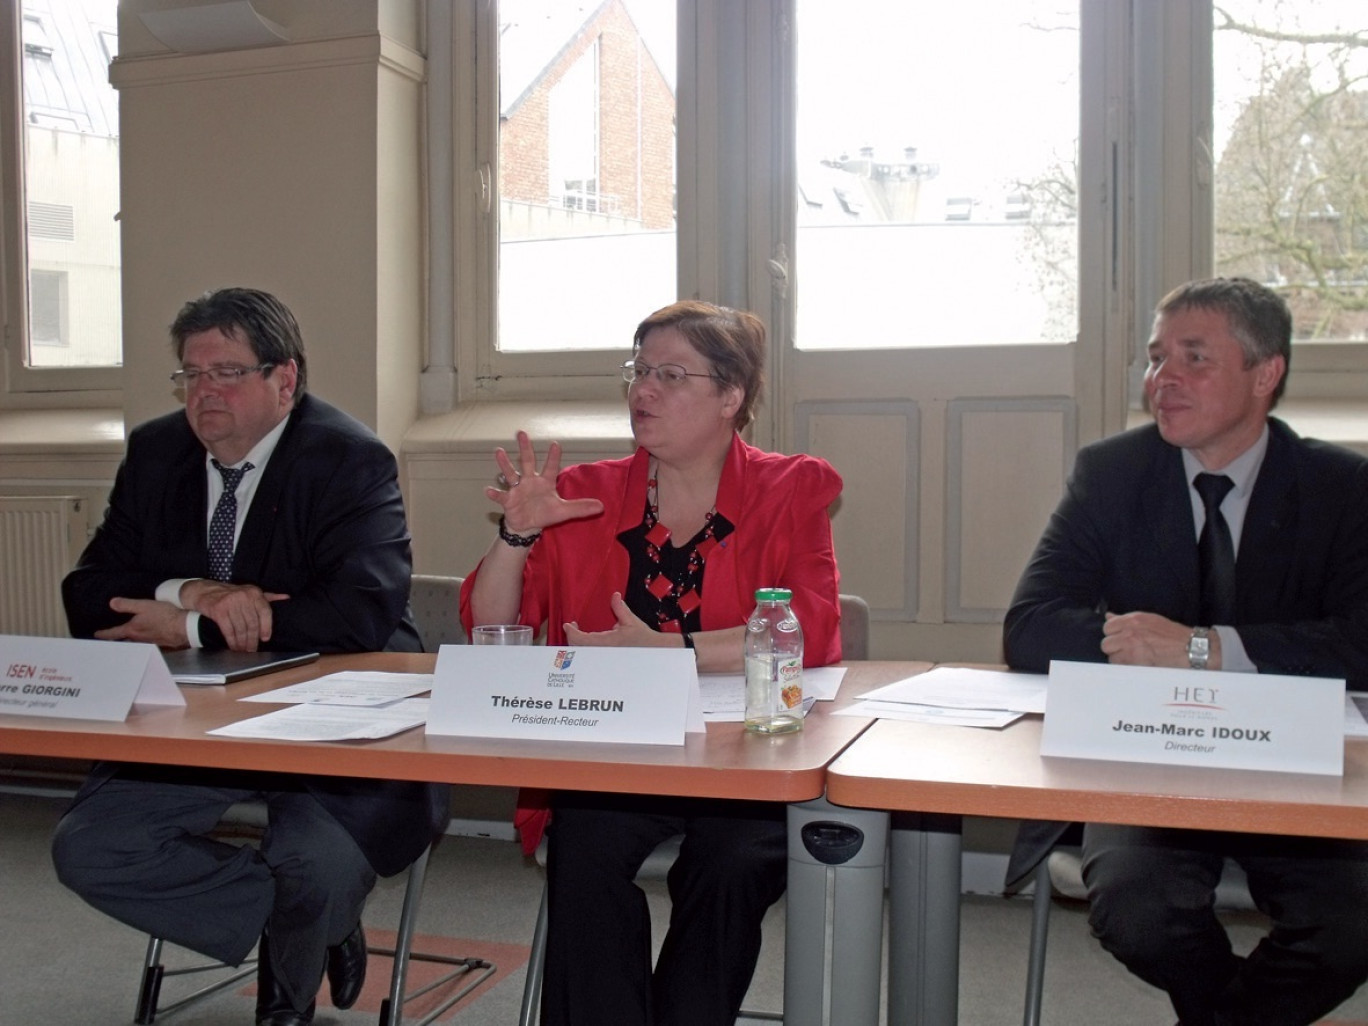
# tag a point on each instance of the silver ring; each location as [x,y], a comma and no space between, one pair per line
[506,483]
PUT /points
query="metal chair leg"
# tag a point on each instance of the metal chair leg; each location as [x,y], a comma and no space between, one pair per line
[392,1008]
[149,991]
[1040,928]
[535,959]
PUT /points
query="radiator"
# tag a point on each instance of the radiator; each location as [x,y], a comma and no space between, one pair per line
[40,538]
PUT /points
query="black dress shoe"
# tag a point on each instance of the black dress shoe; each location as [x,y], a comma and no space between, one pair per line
[273,1007]
[347,969]
[287,1018]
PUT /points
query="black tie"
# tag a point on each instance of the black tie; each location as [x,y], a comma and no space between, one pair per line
[223,524]
[1216,553]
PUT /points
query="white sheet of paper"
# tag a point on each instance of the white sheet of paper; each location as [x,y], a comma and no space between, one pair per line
[724,697]
[931,714]
[349,687]
[310,722]
[724,694]
[958,687]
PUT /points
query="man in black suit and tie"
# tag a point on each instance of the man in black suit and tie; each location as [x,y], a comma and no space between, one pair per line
[258,518]
[1214,539]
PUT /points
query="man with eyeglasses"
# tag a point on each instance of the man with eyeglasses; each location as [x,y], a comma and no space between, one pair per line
[260,517]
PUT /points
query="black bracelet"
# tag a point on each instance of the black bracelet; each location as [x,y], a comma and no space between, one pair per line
[520,541]
[688,639]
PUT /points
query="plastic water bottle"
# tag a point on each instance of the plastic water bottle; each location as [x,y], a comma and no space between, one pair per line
[774,665]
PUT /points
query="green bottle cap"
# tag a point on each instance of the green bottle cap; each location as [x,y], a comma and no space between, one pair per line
[773,595]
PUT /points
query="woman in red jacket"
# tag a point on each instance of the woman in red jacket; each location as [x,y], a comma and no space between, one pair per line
[665,548]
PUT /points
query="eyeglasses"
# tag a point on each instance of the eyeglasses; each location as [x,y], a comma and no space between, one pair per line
[671,375]
[221,376]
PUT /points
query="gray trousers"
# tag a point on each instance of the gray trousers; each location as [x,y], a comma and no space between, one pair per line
[136,847]
[1151,894]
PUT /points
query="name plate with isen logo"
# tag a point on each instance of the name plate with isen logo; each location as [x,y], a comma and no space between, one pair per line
[641,695]
[82,679]
[1194,718]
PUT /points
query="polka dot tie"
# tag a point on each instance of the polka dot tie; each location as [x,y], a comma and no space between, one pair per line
[224,523]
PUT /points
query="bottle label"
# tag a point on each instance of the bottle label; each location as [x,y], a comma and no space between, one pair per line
[790,681]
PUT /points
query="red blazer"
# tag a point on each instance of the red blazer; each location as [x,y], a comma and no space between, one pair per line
[778,505]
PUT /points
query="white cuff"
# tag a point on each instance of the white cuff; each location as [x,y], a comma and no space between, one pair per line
[1234,658]
[192,620]
[169,591]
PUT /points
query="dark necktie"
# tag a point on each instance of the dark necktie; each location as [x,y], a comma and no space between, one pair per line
[1216,553]
[223,524]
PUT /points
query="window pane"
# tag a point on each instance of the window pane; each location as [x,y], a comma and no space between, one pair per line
[936,173]
[71,149]
[586,170]
[1291,148]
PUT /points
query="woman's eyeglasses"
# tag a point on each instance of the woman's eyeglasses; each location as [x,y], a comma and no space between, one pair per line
[671,375]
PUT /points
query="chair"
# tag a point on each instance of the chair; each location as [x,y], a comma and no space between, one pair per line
[854,646]
[1062,871]
[854,628]
[249,818]
[435,601]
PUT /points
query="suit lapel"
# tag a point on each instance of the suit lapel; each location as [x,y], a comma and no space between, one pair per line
[254,542]
[1168,515]
[189,490]
[1267,540]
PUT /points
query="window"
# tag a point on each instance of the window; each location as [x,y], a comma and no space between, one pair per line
[936,150]
[1016,174]
[66,194]
[1291,100]
[586,220]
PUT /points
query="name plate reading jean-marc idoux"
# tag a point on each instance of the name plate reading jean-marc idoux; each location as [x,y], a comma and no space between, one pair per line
[641,695]
[80,679]
[1194,718]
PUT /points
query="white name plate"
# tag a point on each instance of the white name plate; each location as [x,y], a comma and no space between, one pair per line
[82,680]
[637,695]
[1194,718]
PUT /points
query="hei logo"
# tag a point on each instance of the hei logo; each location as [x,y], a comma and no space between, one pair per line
[21,670]
[564,657]
[1195,696]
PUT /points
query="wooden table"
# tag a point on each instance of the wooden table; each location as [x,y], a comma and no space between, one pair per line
[725,762]
[943,773]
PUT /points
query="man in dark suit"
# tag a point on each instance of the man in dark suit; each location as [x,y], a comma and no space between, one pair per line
[258,518]
[1213,539]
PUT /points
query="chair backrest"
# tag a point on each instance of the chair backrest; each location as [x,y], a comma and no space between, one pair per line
[854,627]
[435,601]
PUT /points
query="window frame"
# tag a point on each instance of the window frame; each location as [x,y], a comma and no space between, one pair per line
[1151,217]
[483,372]
[24,385]
[1173,173]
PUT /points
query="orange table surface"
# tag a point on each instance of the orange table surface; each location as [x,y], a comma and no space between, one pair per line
[975,772]
[724,762]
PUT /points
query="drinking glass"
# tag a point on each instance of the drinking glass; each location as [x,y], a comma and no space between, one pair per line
[501,634]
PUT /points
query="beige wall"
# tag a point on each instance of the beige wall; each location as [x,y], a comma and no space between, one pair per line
[293,168]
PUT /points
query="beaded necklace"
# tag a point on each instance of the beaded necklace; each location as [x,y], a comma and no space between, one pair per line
[673,577]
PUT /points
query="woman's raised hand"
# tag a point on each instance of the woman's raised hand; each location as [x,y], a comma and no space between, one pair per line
[528,496]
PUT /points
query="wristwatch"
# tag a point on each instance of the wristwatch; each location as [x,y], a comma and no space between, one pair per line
[1199,648]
